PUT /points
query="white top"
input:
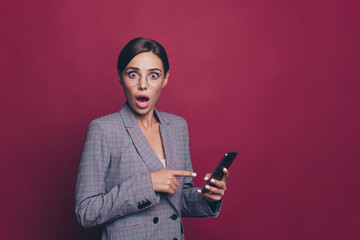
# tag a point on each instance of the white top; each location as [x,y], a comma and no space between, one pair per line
[163,161]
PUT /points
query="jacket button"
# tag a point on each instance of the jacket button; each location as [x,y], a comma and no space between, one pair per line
[155,220]
[173,217]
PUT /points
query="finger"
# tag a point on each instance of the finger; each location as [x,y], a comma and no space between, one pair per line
[178,173]
[210,196]
[207,176]
[226,174]
[215,190]
[167,188]
[218,184]
[170,188]
[170,191]
[170,184]
[175,181]
[173,187]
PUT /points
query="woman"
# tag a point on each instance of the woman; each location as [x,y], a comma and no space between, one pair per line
[135,174]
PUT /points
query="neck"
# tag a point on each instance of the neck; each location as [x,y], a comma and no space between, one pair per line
[146,121]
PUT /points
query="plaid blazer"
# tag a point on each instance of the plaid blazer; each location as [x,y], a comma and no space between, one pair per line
[114,186]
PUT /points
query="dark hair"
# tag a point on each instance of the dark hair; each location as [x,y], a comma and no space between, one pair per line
[140,45]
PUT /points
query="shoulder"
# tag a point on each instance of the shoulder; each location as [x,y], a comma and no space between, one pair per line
[107,122]
[174,120]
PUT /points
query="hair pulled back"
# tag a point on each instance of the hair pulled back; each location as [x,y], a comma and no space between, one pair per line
[140,45]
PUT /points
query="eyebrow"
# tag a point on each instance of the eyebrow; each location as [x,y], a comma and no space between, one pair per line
[151,69]
[155,69]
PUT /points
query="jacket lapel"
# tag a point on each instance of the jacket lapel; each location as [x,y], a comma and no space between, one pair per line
[140,142]
[145,150]
[167,137]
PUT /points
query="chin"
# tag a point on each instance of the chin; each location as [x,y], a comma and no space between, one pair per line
[141,111]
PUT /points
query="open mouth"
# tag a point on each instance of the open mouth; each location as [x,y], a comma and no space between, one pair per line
[142,98]
[142,101]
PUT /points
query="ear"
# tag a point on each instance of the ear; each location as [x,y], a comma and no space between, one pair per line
[121,80]
[165,79]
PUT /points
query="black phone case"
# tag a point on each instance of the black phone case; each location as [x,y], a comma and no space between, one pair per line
[218,174]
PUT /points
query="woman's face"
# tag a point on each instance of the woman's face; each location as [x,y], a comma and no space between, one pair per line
[142,97]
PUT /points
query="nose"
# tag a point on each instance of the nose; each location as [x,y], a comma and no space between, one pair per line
[142,83]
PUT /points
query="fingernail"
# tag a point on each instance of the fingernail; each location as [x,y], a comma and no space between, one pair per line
[193,174]
[212,180]
[206,178]
[207,186]
[225,169]
[199,190]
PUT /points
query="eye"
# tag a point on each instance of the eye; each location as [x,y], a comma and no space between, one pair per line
[154,76]
[132,74]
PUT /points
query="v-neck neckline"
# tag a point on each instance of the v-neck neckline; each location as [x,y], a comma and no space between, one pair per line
[141,143]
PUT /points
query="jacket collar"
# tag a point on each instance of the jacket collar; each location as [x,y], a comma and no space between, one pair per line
[130,121]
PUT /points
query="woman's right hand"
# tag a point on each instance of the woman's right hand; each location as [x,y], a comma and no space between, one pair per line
[165,180]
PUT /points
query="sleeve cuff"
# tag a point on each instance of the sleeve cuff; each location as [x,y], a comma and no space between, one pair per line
[147,196]
[214,207]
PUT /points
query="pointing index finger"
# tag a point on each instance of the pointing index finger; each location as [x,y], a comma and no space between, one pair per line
[179,173]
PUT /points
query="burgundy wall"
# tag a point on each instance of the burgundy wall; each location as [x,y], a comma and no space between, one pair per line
[278,81]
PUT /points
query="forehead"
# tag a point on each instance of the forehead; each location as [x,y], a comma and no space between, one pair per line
[146,61]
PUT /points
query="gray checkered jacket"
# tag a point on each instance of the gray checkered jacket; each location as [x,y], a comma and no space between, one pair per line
[114,185]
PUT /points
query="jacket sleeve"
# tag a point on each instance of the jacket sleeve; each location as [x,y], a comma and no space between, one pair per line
[95,205]
[194,204]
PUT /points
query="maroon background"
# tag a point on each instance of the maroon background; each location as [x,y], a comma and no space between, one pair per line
[278,81]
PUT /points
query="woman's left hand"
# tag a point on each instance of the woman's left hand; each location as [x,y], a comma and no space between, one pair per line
[215,193]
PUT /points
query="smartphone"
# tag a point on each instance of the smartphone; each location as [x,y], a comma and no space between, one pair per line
[218,174]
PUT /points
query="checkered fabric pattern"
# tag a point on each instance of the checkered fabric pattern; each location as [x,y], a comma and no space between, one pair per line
[114,185]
